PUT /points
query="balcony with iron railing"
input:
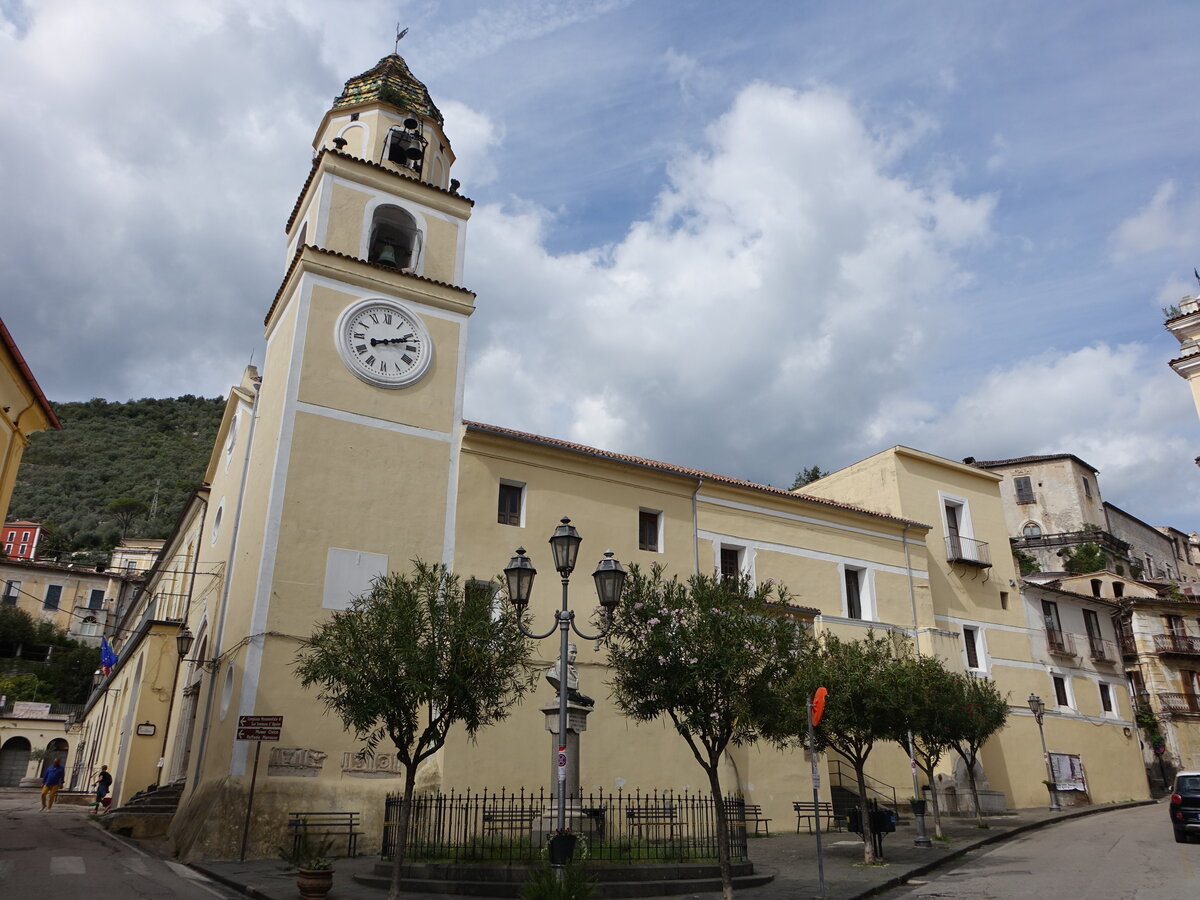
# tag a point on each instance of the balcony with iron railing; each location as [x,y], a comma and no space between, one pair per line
[1128,647]
[1060,643]
[1103,539]
[1176,645]
[1102,651]
[1180,704]
[968,552]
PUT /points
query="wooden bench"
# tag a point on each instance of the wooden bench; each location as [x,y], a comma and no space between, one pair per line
[809,812]
[509,818]
[752,813]
[325,825]
[656,817]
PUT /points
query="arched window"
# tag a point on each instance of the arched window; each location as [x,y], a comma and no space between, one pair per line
[1032,529]
[395,238]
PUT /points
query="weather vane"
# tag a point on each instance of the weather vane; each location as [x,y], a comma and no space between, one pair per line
[399,37]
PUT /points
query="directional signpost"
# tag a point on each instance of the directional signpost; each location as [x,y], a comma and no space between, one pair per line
[257,729]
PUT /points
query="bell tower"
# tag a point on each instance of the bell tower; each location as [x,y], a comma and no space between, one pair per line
[351,467]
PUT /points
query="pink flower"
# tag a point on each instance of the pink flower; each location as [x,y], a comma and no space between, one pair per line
[653,621]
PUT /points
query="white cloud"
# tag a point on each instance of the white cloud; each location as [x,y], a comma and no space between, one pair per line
[1162,224]
[476,138]
[785,289]
[1119,408]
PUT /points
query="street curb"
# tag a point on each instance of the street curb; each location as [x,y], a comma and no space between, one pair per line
[926,868]
[248,889]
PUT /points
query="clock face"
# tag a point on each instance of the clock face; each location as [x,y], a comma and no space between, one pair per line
[383,343]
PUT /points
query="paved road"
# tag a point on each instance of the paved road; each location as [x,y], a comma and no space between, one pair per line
[1122,855]
[60,855]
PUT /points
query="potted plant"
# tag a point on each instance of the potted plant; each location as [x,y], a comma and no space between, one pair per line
[561,847]
[314,870]
[917,805]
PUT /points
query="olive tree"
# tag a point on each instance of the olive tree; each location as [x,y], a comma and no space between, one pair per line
[710,654]
[416,654]
[859,709]
[976,712]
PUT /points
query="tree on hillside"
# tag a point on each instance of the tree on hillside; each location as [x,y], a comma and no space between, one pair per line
[710,655]
[126,510]
[415,655]
[62,666]
[977,712]
[807,476]
[859,709]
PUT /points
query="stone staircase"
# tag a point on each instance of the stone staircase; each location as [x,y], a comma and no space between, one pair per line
[146,814]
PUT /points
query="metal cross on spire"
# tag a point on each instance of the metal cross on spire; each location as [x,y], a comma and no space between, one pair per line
[399,37]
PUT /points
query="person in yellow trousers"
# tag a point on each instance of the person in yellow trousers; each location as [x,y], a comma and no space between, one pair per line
[51,782]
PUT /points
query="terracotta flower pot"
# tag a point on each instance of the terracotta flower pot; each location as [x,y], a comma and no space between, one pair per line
[314,883]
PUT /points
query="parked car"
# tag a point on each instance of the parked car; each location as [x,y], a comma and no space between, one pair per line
[1185,806]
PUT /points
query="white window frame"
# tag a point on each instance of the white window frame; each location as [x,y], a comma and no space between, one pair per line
[1071,703]
[745,563]
[1112,698]
[981,657]
[658,539]
[866,592]
[523,488]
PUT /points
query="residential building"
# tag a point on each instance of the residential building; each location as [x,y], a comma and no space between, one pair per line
[80,600]
[21,538]
[26,411]
[989,616]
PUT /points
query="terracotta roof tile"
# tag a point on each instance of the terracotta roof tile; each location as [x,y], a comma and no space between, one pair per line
[678,470]
[1021,460]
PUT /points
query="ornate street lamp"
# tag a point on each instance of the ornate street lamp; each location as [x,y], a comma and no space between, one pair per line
[1038,708]
[610,581]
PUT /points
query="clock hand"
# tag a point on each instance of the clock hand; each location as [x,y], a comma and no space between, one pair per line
[399,340]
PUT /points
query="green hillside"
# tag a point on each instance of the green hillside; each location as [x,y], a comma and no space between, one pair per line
[150,450]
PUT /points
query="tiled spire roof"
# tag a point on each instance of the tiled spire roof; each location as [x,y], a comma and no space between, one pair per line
[392,82]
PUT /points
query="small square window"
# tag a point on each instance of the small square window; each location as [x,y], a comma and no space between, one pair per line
[1106,697]
[510,503]
[648,522]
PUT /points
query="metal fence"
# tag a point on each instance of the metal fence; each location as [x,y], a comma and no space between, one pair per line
[612,827]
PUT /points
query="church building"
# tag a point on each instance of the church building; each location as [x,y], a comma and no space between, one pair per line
[347,456]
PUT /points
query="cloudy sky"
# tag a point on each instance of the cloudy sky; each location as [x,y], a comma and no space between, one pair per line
[745,236]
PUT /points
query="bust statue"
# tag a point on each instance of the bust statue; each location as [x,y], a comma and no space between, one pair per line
[553,675]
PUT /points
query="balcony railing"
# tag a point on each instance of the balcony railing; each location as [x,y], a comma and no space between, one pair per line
[1102,651]
[1128,647]
[1177,644]
[1180,704]
[968,552]
[1060,643]
[1069,538]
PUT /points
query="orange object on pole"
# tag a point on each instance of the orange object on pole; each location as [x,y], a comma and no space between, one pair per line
[818,705]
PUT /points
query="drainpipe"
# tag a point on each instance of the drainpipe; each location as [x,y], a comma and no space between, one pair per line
[696,528]
[219,633]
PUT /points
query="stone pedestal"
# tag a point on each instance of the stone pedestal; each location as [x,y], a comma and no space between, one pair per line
[576,724]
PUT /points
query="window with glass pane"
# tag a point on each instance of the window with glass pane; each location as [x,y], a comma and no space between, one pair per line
[647,530]
[509,508]
[96,599]
[53,595]
[731,562]
[969,637]
[1060,691]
